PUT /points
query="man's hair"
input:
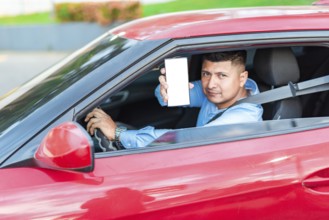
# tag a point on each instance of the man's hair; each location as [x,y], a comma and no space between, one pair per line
[236,57]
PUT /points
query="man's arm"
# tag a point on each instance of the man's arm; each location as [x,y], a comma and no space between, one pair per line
[242,113]
[141,137]
[98,119]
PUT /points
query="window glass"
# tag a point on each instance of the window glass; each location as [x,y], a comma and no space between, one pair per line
[136,106]
[53,81]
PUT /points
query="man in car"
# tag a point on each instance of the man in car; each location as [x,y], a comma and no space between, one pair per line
[224,80]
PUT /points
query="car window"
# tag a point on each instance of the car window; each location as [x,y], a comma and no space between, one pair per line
[233,132]
[47,85]
[136,107]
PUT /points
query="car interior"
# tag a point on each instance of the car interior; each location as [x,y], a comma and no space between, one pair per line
[136,106]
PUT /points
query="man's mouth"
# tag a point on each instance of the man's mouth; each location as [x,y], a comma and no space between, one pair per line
[213,93]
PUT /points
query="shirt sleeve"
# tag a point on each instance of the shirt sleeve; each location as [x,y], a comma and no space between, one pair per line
[196,95]
[141,137]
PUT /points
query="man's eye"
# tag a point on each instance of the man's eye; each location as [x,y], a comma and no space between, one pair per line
[222,75]
[205,74]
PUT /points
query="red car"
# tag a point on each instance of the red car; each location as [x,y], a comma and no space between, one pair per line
[321,2]
[274,169]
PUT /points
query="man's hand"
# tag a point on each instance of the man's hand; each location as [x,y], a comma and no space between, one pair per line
[99,119]
[164,85]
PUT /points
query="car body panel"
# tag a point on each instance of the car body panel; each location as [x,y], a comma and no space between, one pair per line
[268,175]
[321,2]
[230,21]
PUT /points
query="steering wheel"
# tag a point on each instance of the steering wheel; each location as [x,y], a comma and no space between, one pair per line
[103,144]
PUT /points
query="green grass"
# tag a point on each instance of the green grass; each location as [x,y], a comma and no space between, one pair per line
[37,18]
[153,9]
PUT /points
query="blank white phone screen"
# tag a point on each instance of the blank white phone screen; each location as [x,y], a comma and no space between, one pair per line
[177,80]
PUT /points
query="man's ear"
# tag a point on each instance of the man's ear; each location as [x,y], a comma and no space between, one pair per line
[243,78]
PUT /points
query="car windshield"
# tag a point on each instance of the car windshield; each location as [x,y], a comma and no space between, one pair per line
[35,93]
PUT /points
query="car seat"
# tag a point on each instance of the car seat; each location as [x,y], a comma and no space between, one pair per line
[277,67]
[314,62]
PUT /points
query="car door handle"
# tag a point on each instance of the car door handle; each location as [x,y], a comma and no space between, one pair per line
[319,181]
[120,97]
[116,99]
[316,182]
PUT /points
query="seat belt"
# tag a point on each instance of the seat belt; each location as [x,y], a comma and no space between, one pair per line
[291,90]
[217,115]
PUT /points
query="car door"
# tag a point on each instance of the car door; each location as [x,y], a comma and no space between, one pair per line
[275,177]
[248,171]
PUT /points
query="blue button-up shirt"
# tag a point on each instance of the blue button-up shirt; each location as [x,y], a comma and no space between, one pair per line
[242,113]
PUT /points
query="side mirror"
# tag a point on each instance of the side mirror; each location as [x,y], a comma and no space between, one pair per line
[67,147]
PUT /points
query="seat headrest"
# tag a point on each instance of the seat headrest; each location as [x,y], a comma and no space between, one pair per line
[276,66]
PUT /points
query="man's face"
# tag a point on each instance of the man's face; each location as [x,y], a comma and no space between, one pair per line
[223,83]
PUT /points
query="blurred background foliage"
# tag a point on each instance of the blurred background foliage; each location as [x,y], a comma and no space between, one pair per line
[103,13]
[106,14]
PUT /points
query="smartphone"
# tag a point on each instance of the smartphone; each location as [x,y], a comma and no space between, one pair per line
[177,80]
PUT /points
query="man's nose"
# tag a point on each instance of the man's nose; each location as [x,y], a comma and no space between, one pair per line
[212,82]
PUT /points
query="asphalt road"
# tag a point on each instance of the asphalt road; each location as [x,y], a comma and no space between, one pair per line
[19,67]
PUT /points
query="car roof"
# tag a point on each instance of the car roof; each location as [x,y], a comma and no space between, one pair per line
[321,2]
[226,21]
